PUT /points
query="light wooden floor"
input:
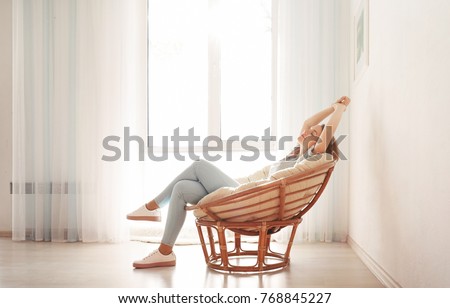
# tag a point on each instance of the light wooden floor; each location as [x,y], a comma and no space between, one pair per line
[34,264]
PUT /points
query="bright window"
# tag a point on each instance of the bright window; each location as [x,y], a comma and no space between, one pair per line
[210,67]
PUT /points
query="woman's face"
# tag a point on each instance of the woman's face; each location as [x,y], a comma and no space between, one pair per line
[310,135]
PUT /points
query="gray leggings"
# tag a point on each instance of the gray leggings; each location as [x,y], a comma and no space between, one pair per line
[198,180]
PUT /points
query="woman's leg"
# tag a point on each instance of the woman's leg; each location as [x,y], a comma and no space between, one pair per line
[185,191]
[198,180]
[201,171]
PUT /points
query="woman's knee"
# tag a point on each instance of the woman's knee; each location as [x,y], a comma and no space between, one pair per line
[201,164]
[179,188]
[188,191]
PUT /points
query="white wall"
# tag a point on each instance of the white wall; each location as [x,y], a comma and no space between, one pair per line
[5,113]
[399,148]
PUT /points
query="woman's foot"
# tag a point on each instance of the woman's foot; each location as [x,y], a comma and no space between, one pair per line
[148,212]
[156,259]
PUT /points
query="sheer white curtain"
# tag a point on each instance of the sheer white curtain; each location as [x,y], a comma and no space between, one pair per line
[79,76]
[313,51]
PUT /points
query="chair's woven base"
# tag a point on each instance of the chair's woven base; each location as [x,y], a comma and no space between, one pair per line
[238,259]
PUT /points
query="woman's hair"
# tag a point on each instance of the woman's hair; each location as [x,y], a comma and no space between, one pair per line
[332,147]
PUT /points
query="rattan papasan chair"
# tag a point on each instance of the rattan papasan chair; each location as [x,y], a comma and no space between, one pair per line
[259,207]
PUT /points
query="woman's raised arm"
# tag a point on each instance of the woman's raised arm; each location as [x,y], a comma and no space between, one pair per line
[321,115]
[328,132]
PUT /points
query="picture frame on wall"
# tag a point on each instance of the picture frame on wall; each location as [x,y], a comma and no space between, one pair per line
[360,40]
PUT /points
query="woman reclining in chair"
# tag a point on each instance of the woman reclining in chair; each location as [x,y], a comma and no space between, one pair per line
[202,178]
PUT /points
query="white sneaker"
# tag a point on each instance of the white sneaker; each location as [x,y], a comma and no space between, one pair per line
[156,259]
[143,213]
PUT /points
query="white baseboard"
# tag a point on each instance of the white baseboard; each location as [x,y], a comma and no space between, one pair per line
[373,266]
